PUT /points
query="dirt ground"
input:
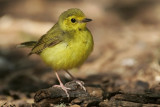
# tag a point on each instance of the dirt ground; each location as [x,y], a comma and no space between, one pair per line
[124,68]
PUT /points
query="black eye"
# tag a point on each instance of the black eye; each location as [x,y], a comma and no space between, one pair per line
[73,20]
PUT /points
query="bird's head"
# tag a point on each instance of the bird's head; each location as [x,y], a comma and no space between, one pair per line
[73,19]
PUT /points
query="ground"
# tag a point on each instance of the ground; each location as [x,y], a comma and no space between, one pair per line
[123,69]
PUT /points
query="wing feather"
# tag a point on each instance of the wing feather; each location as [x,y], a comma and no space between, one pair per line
[53,37]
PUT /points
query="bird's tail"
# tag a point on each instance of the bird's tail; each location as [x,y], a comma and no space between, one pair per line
[29,44]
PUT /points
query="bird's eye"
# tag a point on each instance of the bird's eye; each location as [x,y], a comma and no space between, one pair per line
[73,20]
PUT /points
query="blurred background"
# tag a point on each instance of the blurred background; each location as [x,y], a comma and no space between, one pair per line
[126,52]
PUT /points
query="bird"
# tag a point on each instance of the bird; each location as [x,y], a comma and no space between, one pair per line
[66,45]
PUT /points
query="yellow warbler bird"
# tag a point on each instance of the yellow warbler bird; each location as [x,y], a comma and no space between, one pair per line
[66,45]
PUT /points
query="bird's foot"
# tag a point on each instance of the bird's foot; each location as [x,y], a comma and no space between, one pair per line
[63,88]
[81,84]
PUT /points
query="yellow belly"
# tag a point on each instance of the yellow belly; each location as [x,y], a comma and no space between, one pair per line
[67,55]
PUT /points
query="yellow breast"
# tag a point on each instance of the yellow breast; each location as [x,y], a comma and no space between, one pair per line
[69,54]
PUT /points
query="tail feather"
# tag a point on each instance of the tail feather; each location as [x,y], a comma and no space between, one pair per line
[29,44]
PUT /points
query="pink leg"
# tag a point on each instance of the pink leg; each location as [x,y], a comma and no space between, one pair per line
[81,83]
[61,85]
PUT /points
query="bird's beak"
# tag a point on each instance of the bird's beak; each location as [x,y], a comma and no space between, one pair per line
[86,20]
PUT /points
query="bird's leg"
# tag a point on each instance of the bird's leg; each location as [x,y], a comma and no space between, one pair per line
[61,85]
[81,83]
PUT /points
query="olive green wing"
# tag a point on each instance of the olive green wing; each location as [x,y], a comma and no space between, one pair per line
[47,40]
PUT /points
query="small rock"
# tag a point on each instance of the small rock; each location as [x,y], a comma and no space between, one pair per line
[95,92]
[76,101]
[75,105]
[104,103]
[141,86]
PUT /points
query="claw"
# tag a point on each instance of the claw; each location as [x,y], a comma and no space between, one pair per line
[81,84]
[63,88]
